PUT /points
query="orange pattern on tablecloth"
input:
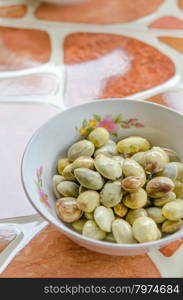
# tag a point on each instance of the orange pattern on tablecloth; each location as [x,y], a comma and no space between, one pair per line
[181,3]
[12,11]
[148,67]
[174,42]
[170,249]
[23,48]
[98,12]
[60,257]
[158,99]
[167,22]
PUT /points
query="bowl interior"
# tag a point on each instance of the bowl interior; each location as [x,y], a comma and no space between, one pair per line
[161,126]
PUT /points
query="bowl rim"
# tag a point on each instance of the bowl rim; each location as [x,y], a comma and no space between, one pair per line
[70,232]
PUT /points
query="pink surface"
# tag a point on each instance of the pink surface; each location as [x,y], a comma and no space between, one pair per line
[23,48]
[18,123]
[167,22]
[103,65]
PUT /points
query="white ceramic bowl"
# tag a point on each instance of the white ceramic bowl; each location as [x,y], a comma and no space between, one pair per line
[158,124]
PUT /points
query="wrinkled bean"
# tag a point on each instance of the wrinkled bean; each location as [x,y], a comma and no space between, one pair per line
[173,210]
[88,201]
[108,167]
[111,194]
[68,173]
[132,145]
[135,200]
[83,162]
[156,214]
[159,186]
[55,181]
[78,225]
[122,232]
[104,217]
[154,160]
[91,230]
[68,188]
[120,210]
[61,164]
[67,209]
[81,148]
[163,200]
[109,149]
[145,230]
[99,136]
[89,179]
[171,226]
[133,214]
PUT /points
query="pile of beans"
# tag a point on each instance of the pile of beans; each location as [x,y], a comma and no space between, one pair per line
[124,192]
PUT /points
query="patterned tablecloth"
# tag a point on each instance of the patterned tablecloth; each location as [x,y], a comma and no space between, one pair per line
[53,57]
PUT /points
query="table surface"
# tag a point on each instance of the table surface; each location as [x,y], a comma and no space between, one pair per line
[45,68]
